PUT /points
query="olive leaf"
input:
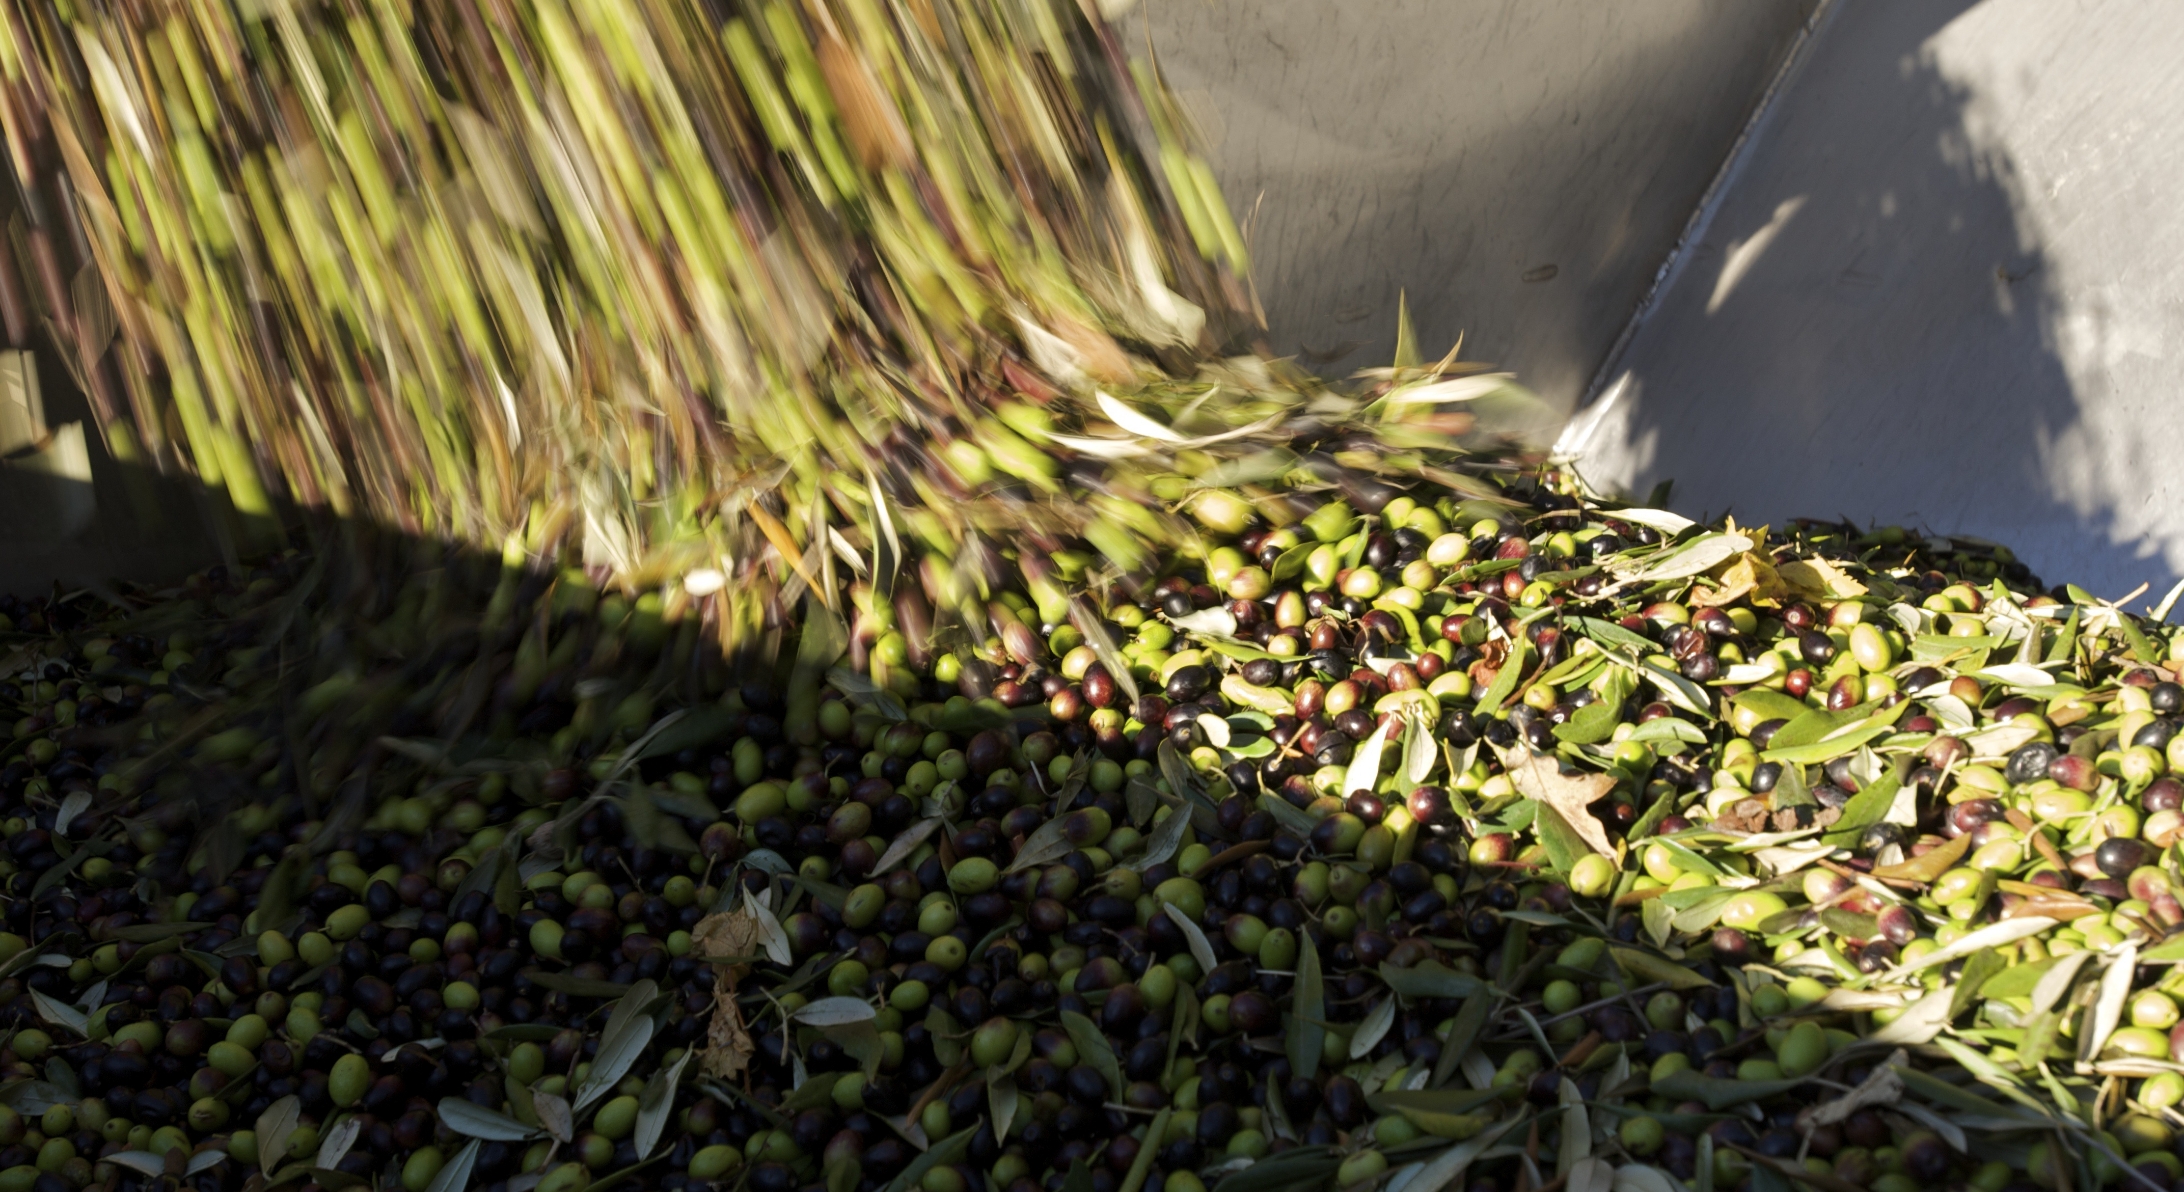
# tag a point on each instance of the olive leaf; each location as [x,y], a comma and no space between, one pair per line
[1217,620]
[1429,979]
[476,1121]
[1364,771]
[274,1126]
[1046,844]
[1307,1037]
[454,1175]
[74,805]
[149,933]
[1695,556]
[947,1150]
[575,986]
[60,1013]
[140,1161]
[1575,1127]
[2009,931]
[628,1031]
[1462,1034]
[904,844]
[1445,1170]
[1644,966]
[1093,1048]
[1095,636]
[777,940]
[338,1142]
[1001,1101]
[1718,1093]
[2115,990]
[1637,1177]
[835,1011]
[1167,837]
[1375,1028]
[1201,947]
[553,1114]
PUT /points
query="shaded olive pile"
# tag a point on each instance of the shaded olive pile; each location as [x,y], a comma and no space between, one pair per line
[1491,841]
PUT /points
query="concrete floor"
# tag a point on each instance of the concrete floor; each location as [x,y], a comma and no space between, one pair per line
[1940,288]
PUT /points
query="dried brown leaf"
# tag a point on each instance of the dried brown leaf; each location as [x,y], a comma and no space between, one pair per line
[736,933]
[728,1046]
[1539,776]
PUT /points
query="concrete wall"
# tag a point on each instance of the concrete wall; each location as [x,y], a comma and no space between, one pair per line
[1520,167]
[1942,288]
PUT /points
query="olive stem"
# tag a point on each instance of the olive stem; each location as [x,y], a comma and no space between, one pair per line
[1588,1007]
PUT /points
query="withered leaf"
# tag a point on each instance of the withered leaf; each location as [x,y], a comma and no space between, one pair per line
[728,1046]
[1539,776]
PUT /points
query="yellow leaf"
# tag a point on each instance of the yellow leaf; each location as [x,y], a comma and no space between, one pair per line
[1540,776]
[1818,579]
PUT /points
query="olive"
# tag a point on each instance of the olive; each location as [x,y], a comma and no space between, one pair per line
[2030,762]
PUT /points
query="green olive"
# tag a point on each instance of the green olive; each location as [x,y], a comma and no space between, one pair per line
[714,1163]
[348,1080]
[1245,933]
[546,938]
[616,1118]
[31,1044]
[1184,894]
[347,921]
[229,1059]
[1803,1050]
[418,1170]
[863,906]
[54,1153]
[208,1114]
[1362,1166]
[568,1177]
[994,1042]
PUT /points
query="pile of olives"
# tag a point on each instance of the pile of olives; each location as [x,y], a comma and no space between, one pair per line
[1422,841]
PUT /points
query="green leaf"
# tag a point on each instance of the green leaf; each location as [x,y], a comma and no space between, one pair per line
[1564,846]
[1866,808]
[1093,1048]
[2018,979]
[575,986]
[1462,1034]
[476,1121]
[146,933]
[1828,750]
[1608,633]
[2141,649]
[1719,1094]
[1430,979]
[1646,968]
[946,1151]
[1307,1038]
[1982,966]
[1406,338]
[1434,1100]
[1298,1166]
[1594,723]
[702,725]
[1505,679]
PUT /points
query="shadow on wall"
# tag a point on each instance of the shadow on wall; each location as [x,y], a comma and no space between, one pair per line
[1518,169]
[1872,329]
[73,516]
